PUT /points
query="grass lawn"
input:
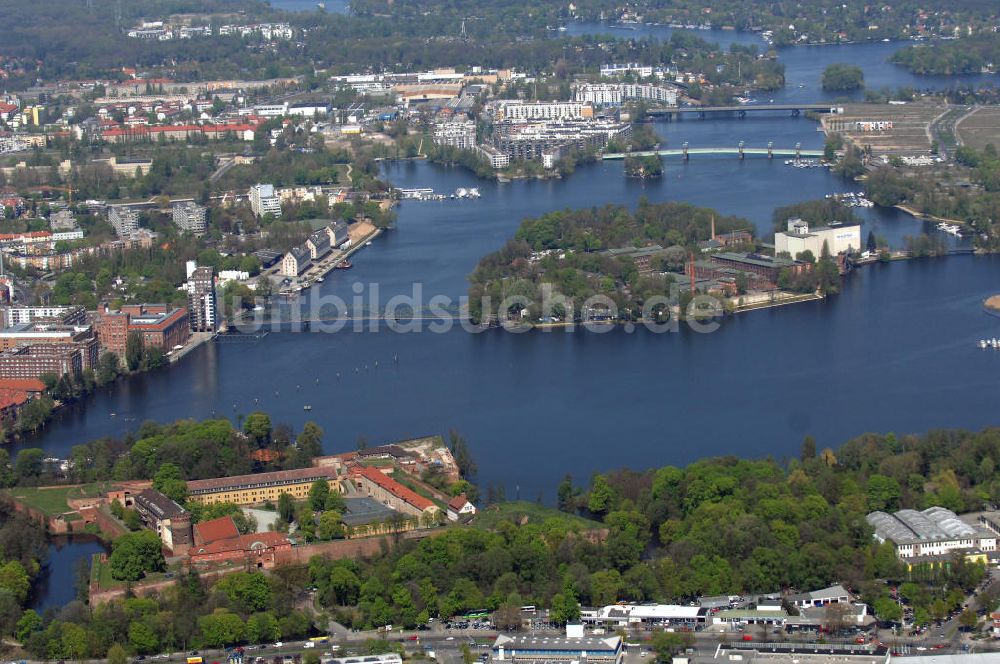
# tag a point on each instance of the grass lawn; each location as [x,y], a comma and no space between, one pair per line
[491,516]
[52,500]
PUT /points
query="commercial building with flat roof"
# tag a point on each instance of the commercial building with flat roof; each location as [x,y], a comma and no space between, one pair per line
[535,648]
[800,237]
[623,615]
[160,325]
[260,487]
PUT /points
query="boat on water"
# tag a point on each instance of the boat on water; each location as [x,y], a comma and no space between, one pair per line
[319,279]
[368,243]
[344,265]
[307,407]
[321,5]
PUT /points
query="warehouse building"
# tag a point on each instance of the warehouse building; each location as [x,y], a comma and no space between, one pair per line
[935,532]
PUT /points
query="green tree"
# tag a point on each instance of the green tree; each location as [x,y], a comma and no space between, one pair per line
[600,496]
[666,645]
[565,607]
[117,654]
[14,578]
[132,520]
[249,591]
[310,441]
[221,628]
[840,77]
[28,465]
[887,610]
[257,426]
[142,638]
[134,350]
[968,619]
[883,493]
[345,585]
[30,622]
[135,554]
[318,493]
[286,507]
[263,628]
[169,480]
[330,525]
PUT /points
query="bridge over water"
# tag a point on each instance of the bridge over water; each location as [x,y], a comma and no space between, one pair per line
[741,151]
[669,113]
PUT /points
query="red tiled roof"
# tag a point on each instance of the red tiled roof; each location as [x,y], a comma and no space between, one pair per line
[458,502]
[23,384]
[208,129]
[243,543]
[216,529]
[265,455]
[10,398]
[30,234]
[392,486]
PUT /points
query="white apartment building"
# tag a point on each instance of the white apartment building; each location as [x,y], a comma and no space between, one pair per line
[543,110]
[263,200]
[69,315]
[839,238]
[271,110]
[616,70]
[190,217]
[457,134]
[124,219]
[614,94]
[498,160]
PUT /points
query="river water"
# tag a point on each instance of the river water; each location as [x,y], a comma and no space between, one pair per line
[57,585]
[804,65]
[895,351]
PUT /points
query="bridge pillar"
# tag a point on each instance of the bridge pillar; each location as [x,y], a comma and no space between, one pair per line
[741,150]
[770,149]
[685,146]
[798,151]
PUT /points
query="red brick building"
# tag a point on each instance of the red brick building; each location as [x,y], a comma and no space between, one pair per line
[256,550]
[161,326]
[29,362]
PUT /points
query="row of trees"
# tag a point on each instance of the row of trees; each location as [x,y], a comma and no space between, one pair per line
[183,450]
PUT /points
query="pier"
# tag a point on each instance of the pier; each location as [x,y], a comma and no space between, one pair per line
[740,151]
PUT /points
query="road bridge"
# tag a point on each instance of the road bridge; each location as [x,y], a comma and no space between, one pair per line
[741,151]
[669,113]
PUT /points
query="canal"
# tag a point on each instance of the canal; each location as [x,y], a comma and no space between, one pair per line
[57,584]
